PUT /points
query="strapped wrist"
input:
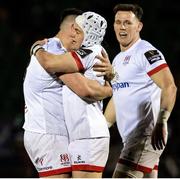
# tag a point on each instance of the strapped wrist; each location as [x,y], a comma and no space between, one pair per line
[163,116]
[35,48]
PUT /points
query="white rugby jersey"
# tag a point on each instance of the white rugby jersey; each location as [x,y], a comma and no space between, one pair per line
[85,120]
[136,96]
[43,96]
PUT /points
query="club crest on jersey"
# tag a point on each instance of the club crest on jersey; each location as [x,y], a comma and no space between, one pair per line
[83,52]
[152,56]
[126,60]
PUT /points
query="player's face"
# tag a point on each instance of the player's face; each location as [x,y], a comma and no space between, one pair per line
[127,28]
[78,37]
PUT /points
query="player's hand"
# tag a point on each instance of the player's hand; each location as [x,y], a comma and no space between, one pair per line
[159,136]
[105,68]
[37,44]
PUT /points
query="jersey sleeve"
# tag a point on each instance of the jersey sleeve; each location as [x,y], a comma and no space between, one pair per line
[153,61]
[84,57]
[87,58]
[78,61]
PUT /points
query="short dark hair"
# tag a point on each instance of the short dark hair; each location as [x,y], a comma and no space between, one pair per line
[136,9]
[68,12]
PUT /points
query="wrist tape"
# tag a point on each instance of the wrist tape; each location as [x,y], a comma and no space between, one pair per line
[163,116]
[35,48]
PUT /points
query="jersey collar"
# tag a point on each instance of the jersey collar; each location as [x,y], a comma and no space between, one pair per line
[133,46]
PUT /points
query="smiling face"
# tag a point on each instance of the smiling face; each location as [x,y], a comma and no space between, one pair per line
[127,28]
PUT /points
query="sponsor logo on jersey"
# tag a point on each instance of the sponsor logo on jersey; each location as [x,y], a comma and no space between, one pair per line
[40,164]
[64,159]
[83,52]
[152,56]
[126,60]
[117,86]
[40,160]
[44,168]
[79,160]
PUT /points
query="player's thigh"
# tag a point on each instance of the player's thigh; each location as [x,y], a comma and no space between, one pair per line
[89,156]
[123,171]
[139,155]
[86,174]
[153,174]
[49,153]
[64,175]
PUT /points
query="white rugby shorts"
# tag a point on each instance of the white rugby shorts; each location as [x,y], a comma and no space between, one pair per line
[139,155]
[89,154]
[48,152]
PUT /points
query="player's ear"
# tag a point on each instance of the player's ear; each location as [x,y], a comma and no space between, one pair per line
[140,26]
[73,30]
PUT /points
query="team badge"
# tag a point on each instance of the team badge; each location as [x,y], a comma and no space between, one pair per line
[152,56]
[126,60]
[84,52]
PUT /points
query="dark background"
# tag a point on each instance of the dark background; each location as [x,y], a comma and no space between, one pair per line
[22,23]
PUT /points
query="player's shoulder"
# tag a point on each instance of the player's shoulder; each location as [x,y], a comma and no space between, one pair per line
[151,53]
[53,43]
[95,48]
[92,50]
[145,47]
[84,52]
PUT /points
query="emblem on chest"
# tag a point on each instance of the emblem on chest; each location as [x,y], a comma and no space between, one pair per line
[126,60]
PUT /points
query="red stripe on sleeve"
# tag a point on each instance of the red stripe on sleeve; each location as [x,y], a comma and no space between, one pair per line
[157,69]
[78,61]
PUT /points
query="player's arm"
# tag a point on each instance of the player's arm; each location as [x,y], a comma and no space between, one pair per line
[165,81]
[65,63]
[52,63]
[86,88]
[110,113]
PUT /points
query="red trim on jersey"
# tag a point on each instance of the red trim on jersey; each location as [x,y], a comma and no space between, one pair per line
[137,167]
[78,61]
[87,168]
[155,70]
[55,172]
[155,167]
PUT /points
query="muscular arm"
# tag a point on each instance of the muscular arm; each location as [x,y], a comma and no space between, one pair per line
[57,63]
[85,87]
[110,113]
[165,81]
